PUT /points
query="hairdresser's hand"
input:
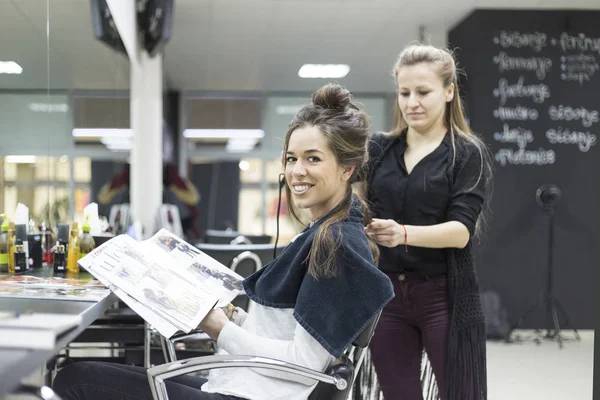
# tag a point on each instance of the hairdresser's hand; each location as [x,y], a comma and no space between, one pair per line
[214,322]
[386,232]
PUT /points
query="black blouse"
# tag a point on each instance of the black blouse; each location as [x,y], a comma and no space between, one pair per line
[423,197]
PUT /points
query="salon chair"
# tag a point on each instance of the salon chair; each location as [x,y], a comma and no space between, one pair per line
[334,384]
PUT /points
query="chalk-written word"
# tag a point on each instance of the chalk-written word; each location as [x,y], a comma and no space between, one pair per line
[537,92]
[525,157]
[567,113]
[517,113]
[579,68]
[516,39]
[517,135]
[580,42]
[583,140]
[576,77]
[579,58]
[540,65]
[587,68]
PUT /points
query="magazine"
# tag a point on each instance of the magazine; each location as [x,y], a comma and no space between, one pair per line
[55,288]
[168,282]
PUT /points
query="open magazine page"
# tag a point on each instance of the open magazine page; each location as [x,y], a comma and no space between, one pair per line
[197,267]
[152,280]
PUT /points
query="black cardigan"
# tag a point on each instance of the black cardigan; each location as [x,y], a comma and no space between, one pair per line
[467,373]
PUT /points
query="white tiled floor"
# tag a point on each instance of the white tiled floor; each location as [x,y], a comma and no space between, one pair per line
[528,371]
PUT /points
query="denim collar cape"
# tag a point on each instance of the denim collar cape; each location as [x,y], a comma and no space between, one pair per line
[333,310]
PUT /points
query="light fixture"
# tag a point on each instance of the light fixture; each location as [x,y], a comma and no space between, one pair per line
[240,145]
[244,165]
[223,133]
[10,67]
[119,147]
[287,110]
[323,71]
[21,159]
[116,141]
[102,133]
[63,159]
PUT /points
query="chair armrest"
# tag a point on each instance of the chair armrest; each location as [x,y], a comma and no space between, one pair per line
[195,334]
[158,374]
[41,392]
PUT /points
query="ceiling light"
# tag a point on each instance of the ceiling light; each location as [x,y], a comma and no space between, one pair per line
[244,165]
[120,146]
[115,140]
[224,133]
[240,145]
[10,67]
[102,133]
[323,71]
[21,159]
[287,110]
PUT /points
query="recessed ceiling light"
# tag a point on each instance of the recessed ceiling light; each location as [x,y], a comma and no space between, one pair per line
[10,67]
[102,133]
[21,159]
[223,133]
[323,71]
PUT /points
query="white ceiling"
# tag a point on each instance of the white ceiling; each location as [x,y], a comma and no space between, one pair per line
[236,45]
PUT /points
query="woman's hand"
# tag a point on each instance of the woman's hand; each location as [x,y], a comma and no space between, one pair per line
[214,322]
[385,232]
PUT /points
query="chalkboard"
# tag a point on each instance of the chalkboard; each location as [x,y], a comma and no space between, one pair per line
[532,91]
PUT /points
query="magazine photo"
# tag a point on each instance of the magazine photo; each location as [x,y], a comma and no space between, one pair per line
[168,282]
[55,288]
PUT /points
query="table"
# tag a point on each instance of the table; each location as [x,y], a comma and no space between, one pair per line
[15,364]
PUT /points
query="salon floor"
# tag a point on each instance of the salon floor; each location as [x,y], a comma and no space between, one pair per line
[528,371]
[524,370]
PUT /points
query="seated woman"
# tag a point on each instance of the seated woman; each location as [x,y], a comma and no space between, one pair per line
[311,302]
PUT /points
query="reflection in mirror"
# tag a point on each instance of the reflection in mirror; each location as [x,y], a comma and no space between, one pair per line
[42,166]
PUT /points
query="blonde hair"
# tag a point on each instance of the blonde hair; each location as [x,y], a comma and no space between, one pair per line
[443,62]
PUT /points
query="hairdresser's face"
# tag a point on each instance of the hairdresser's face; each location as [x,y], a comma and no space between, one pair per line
[422,97]
[317,182]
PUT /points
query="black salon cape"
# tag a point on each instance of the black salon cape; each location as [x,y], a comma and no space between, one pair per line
[333,310]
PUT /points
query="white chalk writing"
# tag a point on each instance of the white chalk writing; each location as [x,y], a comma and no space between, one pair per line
[517,135]
[516,39]
[540,65]
[579,58]
[580,42]
[538,92]
[517,113]
[583,140]
[525,157]
[567,113]
[578,67]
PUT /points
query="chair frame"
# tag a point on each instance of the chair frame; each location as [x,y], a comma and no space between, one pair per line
[158,374]
[355,354]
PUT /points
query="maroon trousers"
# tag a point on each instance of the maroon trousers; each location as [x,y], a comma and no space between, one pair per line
[416,318]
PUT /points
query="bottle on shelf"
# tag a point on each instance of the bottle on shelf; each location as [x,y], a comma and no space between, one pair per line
[11,244]
[21,238]
[86,240]
[59,259]
[73,250]
[20,257]
[4,246]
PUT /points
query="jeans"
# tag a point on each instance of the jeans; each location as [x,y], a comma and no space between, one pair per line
[417,318]
[107,381]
